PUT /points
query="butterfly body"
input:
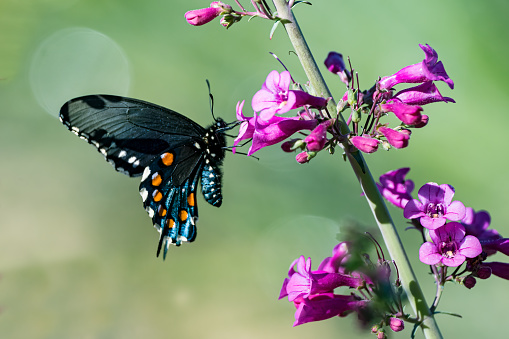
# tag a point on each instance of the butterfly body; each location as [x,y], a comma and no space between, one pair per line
[171,152]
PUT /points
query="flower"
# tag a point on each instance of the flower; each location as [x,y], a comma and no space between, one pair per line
[427,70]
[318,137]
[398,139]
[202,16]
[423,94]
[500,269]
[435,206]
[408,114]
[275,97]
[335,64]
[266,133]
[325,306]
[476,224]
[365,143]
[450,246]
[396,324]
[395,188]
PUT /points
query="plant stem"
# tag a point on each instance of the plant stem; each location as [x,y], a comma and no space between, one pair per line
[375,200]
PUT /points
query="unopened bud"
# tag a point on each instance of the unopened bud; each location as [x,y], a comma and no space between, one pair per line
[469,282]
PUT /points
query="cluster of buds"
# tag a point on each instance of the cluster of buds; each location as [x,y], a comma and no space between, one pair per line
[230,16]
[455,234]
[380,101]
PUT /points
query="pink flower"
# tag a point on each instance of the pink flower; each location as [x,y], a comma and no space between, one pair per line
[395,188]
[408,114]
[423,94]
[450,246]
[275,97]
[202,16]
[397,139]
[427,70]
[267,133]
[365,143]
[316,140]
[435,206]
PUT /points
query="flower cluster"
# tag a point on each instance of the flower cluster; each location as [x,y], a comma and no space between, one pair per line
[314,293]
[267,127]
[456,234]
[381,100]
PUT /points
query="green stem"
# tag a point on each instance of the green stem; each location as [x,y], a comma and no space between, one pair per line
[375,200]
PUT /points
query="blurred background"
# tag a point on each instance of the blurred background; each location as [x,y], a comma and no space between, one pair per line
[77,250]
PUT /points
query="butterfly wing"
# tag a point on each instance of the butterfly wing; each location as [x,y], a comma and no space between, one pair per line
[128,132]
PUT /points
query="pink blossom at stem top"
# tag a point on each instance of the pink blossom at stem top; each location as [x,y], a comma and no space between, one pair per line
[430,69]
[275,97]
[267,133]
[434,206]
[202,16]
[450,246]
[365,143]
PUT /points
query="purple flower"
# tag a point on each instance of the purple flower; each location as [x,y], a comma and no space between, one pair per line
[325,306]
[275,97]
[408,114]
[316,140]
[365,143]
[305,282]
[202,16]
[398,139]
[423,94]
[427,70]
[395,188]
[266,133]
[339,258]
[423,122]
[396,324]
[435,206]
[335,64]
[450,246]
[500,269]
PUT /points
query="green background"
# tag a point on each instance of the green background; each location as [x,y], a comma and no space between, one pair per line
[77,250]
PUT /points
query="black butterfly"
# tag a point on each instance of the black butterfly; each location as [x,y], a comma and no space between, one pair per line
[170,151]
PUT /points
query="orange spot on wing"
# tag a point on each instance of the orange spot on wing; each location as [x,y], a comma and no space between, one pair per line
[157,195]
[183,215]
[156,179]
[162,211]
[190,199]
[167,158]
[170,223]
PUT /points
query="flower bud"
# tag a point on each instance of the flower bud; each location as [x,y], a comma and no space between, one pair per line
[484,272]
[202,16]
[398,139]
[318,137]
[365,143]
[304,157]
[356,115]
[292,145]
[335,64]
[396,324]
[469,282]
[381,334]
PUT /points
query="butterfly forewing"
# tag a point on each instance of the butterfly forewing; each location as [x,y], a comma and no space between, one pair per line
[171,151]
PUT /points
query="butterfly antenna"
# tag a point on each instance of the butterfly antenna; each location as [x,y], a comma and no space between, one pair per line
[211,100]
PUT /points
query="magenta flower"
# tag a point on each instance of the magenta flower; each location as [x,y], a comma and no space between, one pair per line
[267,133]
[427,70]
[435,206]
[275,97]
[396,324]
[408,114]
[316,140]
[335,64]
[395,188]
[423,122]
[450,246]
[202,16]
[423,94]
[340,256]
[398,139]
[325,306]
[500,269]
[305,282]
[365,143]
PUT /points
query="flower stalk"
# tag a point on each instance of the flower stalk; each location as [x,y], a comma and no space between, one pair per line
[372,194]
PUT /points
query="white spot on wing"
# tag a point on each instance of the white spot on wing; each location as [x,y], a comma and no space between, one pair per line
[144,194]
[146,173]
[131,160]
[150,212]
[122,154]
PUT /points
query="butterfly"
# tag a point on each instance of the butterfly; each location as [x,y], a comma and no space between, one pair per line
[169,151]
